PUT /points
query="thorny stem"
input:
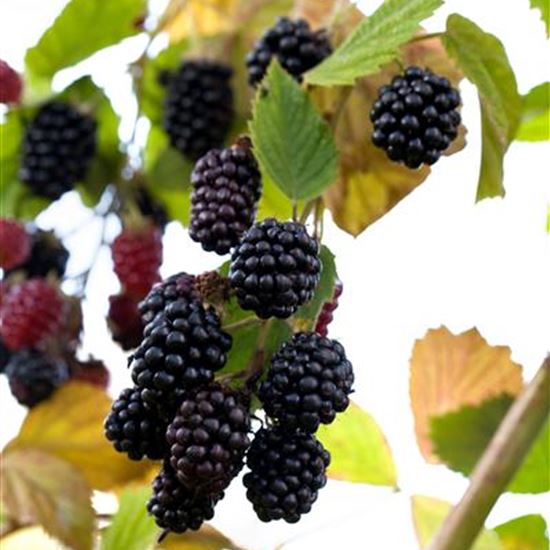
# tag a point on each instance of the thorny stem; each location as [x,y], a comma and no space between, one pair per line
[496,468]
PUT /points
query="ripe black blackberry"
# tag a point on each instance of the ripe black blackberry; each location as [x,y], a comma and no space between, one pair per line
[226,188]
[171,289]
[415,117]
[208,438]
[198,109]
[275,268]
[308,382]
[286,473]
[58,146]
[134,429]
[33,376]
[181,349]
[176,508]
[293,43]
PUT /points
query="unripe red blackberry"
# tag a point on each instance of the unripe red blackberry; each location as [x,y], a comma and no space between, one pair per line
[286,472]
[57,149]
[181,349]
[208,438]
[15,244]
[137,256]
[415,117]
[90,371]
[226,188]
[326,315]
[176,508]
[275,268]
[198,109]
[308,382]
[293,43]
[33,377]
[11,85]
[124,321]
[31,312]
[134,429]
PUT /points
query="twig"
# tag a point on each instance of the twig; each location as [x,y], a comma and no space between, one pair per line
[308,208]
[496,468]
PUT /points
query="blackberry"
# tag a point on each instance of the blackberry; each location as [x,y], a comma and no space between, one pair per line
[176,508]
[415,117]
[124,321]
[198,109]
[181,349]
[15,244]
[57,149]
[308,382]
[293,43]
[177,286]
[327,311]
[208,438]
[47,255]
[134,429]
[226,188]
[275,268]
[33,376]
[286,473]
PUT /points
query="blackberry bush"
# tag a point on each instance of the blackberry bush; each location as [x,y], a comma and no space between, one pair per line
[226,188]
[286,473]
[208,438]
[58,146]
[198,109]
[275,268]
[293,43]
[415,117]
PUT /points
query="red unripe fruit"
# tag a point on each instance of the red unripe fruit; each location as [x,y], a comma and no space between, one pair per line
[11,85]
[15,243]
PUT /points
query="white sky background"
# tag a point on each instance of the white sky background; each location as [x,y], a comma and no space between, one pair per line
[437,258]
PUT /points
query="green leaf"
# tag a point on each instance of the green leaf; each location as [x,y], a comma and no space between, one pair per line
[273,202]
[544,8]
[523,533]
[535,119]
[307,315]
[484,61]
[294,146]
[82,28]
[132,527]
[373,43]
[359,451]
[460,438]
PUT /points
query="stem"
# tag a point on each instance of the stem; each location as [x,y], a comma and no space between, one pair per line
[500,461]
[242,323]
[308,208]
[427,36]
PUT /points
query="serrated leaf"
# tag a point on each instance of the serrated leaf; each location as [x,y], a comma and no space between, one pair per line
[429,513]
[294,146]
[69,425]
[535,118]
[40,488]
[544,8]
[207,538]
[132,528]
[65,44]
[359,451]
[459,439]
[523,533]
[373,43]
[449,371]
[273,202]
[483,59]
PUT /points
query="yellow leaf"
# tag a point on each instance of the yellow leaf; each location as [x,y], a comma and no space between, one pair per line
[30,538]
[449,371]
[207,538]
[69,425]
[40,488]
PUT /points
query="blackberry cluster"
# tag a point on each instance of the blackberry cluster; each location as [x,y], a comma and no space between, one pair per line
[33,377]
[308,383]
[226,188]
[176,508]
[327,311]
[275,268]
[208,439]
[135,429]
[286,473]
[415,117]
[181,349]
[293,43]
[199,107]
[57,149]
